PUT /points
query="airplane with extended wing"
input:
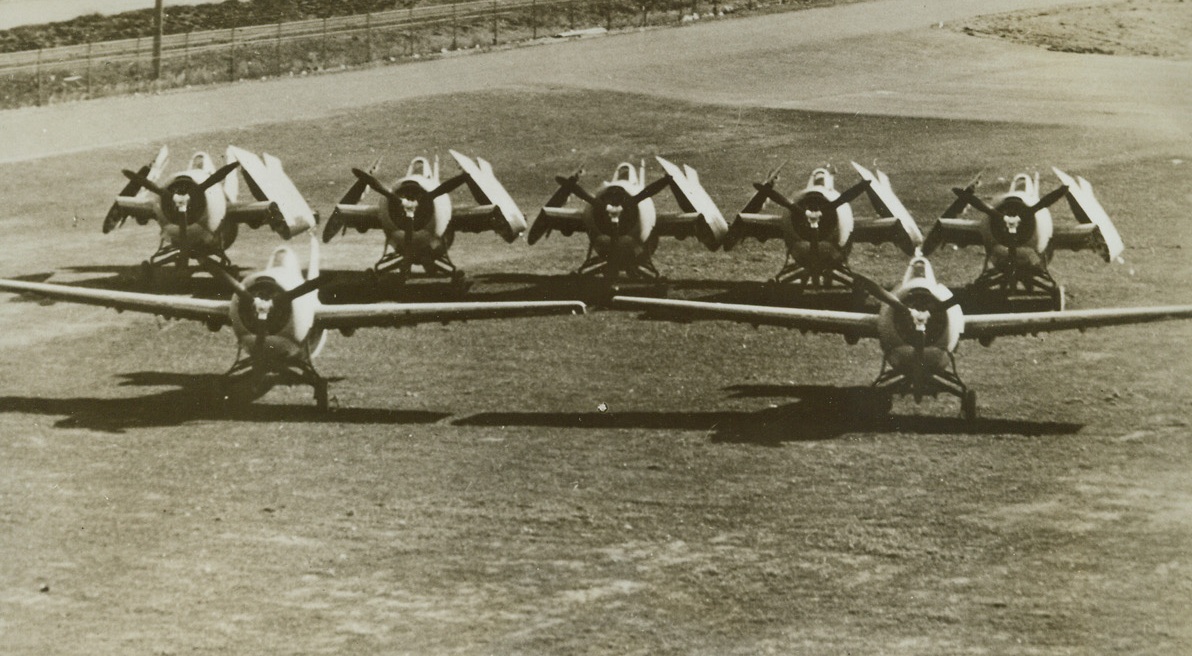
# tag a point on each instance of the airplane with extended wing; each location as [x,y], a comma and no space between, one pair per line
[278,321]
[622,223]
[819,228]
[199,211]
[1020,236]
[418,218]
[919,327]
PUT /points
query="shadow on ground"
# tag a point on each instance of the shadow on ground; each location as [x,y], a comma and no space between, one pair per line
[818,413]
[193,398]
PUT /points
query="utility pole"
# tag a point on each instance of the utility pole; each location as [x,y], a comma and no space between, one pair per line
[158,18]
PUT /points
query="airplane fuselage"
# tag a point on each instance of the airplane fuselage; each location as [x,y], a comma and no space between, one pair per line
[289,334]
[920,346]
[621,232]
[423,234]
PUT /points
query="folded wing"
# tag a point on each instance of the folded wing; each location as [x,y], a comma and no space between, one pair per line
[1088,210]
[496,209]
[278,201]
[894,223]
[699,215]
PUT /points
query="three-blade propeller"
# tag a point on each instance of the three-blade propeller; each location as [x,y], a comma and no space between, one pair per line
[275,305]
[193,191]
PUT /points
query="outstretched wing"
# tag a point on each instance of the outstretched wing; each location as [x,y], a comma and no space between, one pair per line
[349,317]
[214,313]
[895,224]
[290,215]
[699,216]
[496,209]
[978,326]
[1087,210]
[851,324]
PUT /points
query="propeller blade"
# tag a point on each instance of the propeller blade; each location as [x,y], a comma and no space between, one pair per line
[306,288]
[1050,198]
[221,273]
[448,187]
[563,193]
[773,175]
[144,181]
[218,176]
[871,287]
[651,189]
[572,185]
[774,196]
[971,198]
[851,193]
[373,183]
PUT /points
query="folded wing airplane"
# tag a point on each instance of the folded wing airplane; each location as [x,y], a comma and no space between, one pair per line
[919,328]
[199,211]
[279,323]
[819,227]
[418,218]
[1020,236]
[622,223]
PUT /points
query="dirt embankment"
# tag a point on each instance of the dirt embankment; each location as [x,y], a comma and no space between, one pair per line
[1150,28]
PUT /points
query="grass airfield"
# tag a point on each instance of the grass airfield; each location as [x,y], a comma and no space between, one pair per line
[467,496]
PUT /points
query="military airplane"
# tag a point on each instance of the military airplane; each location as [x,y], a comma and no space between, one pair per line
[1020,237]
[199,211]
[819,228]
[919,328]
[622,223]
[278,321]
[418,218]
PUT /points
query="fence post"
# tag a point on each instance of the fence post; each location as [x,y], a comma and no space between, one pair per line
[368,37]
[534,18]
[88,68]
[277,49]
[158,21]
[608,15]
[454,25]
[232,66]
[323,53]
[494,22]
[37,71]
[410,27]
[186,57]
[645,14]
[571,14]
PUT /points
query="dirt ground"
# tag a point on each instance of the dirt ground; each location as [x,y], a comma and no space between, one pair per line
[469,495]
[1148,28]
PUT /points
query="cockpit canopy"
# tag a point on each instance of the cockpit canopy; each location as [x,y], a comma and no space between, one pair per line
[625,173]
[822,177]
[1024,184]
[420,166]
[283,258]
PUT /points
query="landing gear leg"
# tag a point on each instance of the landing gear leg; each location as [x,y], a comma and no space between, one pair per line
[968,405]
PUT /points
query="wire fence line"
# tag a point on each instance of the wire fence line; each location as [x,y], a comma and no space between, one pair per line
[300,47]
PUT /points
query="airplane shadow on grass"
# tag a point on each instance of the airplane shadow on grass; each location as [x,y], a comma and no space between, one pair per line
[818,413]
[192,398]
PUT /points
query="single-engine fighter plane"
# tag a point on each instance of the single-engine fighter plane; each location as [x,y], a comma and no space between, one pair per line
[1020,237]
[199,210]
[418,218]
[919,327]
[819,228]
[279,323]
[622,223]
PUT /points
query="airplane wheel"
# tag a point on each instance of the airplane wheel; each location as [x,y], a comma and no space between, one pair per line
[147,273]
[968,405]
[1058,298]
[321,399]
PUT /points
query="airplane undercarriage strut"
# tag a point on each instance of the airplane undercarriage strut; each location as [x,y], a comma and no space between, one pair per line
[801,277]
[600,265]
[892,382]
[441,267]
[245,381]
[1007,284]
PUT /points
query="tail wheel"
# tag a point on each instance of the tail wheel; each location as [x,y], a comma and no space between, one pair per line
[968,405]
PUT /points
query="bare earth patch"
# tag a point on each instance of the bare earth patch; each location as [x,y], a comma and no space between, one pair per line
[1150,28]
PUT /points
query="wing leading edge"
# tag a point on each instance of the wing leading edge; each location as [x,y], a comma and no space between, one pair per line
[214,313]
[351,316]
[851,324]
